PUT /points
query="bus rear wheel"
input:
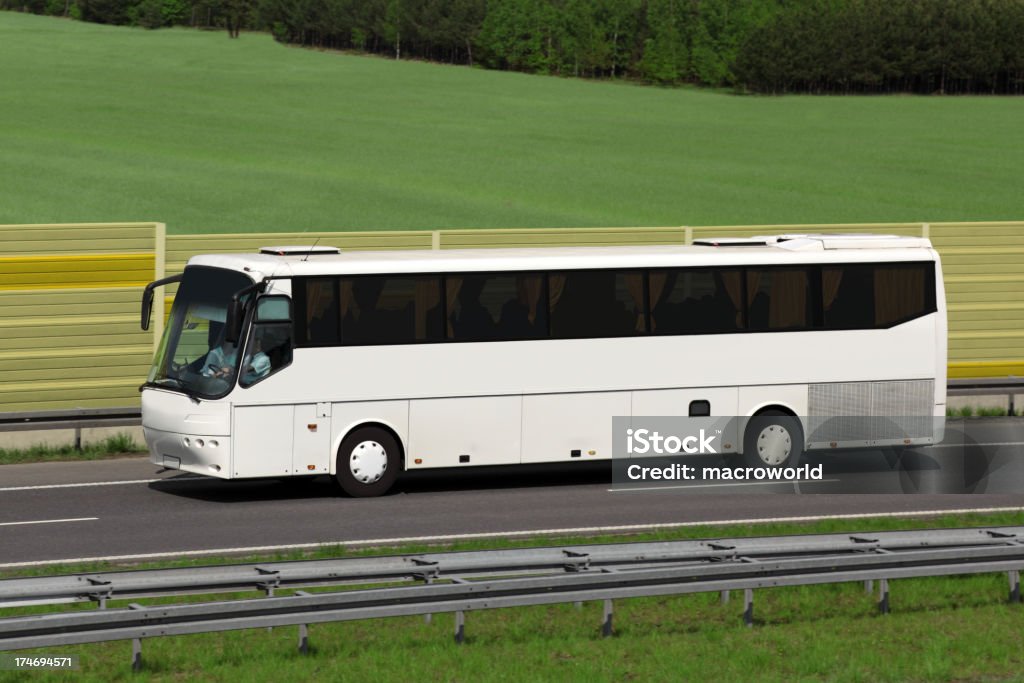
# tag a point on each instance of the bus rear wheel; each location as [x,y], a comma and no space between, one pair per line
[368,462]
[774,440]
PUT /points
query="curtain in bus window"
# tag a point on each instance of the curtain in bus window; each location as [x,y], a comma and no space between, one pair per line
[452,285]
[427,308]
[777,299]
[656,279]
[556,285]
[899,293]
[788,308]
[732,284]
[530,287]
[515,300]
[321,316]
[830,279]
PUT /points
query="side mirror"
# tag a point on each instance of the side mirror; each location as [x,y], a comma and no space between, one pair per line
[233,324]
[147,307]
[147,297]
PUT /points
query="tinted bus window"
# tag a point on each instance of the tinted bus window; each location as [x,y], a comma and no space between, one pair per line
[779,299]
[504,306]
[903,291]
[695,301]
[848,297]
[317,312]
[596,304]
[390,309]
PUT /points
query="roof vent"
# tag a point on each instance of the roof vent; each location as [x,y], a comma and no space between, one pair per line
[299,250]
[733,241]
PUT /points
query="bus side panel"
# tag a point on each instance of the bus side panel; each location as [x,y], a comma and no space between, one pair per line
[677,402]
[263,441]
[557,426]
[448,432]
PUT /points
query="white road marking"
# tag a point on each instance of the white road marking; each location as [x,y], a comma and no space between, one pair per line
[507,534]
[99,483]
[711,486]
[51,521]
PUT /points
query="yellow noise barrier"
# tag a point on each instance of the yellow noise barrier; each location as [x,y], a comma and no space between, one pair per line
[75,271]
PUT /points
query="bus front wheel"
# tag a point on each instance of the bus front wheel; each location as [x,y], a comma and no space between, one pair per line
[773,439]
[368,462]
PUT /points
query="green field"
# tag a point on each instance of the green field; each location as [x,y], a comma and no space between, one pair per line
[208,134]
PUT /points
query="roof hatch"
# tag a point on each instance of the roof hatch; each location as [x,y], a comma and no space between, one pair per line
[299,250]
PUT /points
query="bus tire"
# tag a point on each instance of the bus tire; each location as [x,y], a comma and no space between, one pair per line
[773,439]
[368,462]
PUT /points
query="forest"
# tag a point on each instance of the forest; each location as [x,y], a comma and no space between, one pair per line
[755,46]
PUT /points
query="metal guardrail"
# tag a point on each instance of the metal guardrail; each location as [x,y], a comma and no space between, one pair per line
[1007,386]
[81,418]
[468,581]
[77,419]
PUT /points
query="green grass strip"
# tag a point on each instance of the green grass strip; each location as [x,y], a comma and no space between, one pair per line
[113,446]
[941,629]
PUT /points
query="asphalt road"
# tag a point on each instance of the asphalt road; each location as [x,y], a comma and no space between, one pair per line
[128,507]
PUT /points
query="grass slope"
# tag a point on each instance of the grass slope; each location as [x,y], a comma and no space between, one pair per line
[208,134]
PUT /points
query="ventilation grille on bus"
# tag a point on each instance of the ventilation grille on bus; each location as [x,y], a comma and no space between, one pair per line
[859,411]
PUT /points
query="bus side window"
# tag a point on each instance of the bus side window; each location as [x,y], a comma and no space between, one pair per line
[903,291]
[602,303]
[321,315]
[779,299]
[847,297]
[488,306]
[397,309]
[695,301]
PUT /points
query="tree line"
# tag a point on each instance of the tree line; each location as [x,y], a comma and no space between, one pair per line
[768,46]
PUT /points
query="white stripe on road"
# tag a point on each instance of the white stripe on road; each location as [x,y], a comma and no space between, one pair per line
[507,534]
[712,486]
[51,521]
[100,483]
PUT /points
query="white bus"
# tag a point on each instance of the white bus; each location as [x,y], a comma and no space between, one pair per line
[309,361]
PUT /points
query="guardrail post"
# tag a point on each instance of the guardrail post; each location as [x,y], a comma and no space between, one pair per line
[606,624]
[427,618]
[1014,575]
[136,654]
[723,598]
[883,596]
[460,627]
[869,586]
[748,606]
[303,639]
[578,605]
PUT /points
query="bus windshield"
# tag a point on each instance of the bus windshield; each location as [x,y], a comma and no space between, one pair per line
[194,357]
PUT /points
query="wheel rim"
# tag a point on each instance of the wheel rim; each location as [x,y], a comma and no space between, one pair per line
[774,444]
[367,462]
